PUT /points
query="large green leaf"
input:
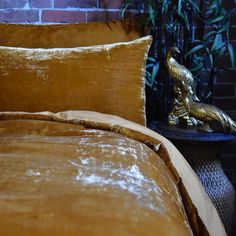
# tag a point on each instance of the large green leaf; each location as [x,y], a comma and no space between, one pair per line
[154,73]
[223,28]
[194,5]
[185,18]
[195,49]
[125,6]
[165,6]
[152,13]
[151,59]
[211,60]
[217,42]
[123,10]
[217,19]
[231,54]
[222,52]
[209,34]
[202,30]
[197,68]
[179,7]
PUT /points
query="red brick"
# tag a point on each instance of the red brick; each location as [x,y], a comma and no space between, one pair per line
[228,76]
[103,15]
[40,3]
[110,4]
[233,17]
[226,103]
[224,61]
[228,4]
[19,16]
[63,16]
[224,90]
[233,33]
[12,3]
[75,3]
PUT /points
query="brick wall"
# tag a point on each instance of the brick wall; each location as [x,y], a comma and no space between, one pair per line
[225,91]
[58,11]
[65,11]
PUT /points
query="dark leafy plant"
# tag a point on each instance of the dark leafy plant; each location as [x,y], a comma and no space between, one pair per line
[200,28]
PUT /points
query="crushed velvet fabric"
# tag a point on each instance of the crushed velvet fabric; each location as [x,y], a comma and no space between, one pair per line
[86,173]
[69,35]
[107,78]
[65,179]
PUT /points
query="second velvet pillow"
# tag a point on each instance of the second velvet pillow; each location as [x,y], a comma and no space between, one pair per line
[107,78]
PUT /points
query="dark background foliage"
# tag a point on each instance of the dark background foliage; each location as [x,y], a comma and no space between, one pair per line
[200,29]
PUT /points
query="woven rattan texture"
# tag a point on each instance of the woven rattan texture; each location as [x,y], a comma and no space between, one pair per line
[204,159]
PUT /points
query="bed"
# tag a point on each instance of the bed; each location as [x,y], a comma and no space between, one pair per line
[75,155]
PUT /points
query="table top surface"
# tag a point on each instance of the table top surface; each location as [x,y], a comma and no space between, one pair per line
[189,133]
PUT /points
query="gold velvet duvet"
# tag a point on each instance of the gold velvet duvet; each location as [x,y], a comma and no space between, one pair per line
[85,173]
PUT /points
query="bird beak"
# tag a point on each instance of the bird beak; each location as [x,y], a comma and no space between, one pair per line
[177,50]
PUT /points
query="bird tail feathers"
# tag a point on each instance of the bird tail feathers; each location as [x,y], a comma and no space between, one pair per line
[227,122]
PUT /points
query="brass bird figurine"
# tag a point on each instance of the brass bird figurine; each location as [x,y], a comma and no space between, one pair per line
[180,73]
[206,113]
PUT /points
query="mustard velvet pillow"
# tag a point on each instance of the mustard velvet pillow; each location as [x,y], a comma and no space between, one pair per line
[104,78]
[68,35]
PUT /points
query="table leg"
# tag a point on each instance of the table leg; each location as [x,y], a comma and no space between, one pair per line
[205,161]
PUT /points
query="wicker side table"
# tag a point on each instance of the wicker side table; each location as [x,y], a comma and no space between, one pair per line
[202,151]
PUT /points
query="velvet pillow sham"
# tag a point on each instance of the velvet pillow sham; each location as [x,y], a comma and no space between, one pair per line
[69,35]
[103,78]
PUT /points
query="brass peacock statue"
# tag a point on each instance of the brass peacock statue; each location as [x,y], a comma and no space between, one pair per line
[181,76]
[179,73]
[206,113]
[188,105]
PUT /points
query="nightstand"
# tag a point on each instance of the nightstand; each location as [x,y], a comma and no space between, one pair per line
[202,151]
